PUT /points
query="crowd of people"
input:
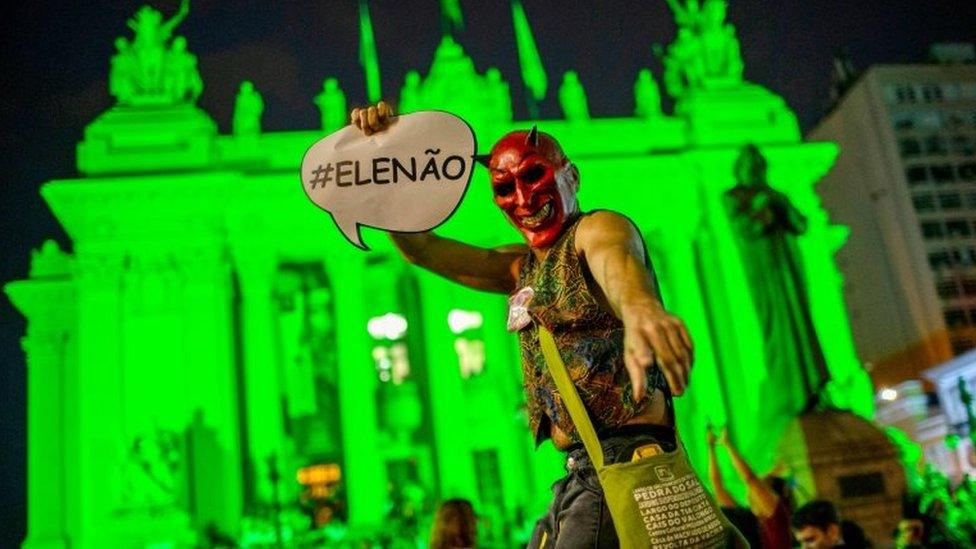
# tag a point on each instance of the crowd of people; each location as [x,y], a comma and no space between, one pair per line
[935,514]
[938,515]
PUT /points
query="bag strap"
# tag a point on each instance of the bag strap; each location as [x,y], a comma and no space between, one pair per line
[571,398]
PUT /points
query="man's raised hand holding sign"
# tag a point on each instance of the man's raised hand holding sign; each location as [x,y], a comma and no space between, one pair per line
[372,117]
[408,179]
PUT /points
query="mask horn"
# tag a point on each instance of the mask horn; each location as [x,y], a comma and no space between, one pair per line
[483,159]
[533,137]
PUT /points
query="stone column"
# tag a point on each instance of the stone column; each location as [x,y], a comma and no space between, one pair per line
[256,267]
[95,402]
[211,378]
[365,471]
[447,403]
[49,306]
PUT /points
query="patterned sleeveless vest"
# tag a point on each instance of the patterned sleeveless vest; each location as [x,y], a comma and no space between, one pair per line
[590,341]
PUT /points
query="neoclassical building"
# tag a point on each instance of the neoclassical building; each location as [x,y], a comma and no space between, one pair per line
[214,359]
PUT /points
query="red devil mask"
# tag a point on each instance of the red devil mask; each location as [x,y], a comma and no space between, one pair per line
[534,184]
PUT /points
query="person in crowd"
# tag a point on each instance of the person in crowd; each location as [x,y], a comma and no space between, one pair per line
[910,534]
[455,526]
[816,525]
[769,499]
[745,522]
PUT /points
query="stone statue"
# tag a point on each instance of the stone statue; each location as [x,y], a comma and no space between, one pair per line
[647,96]
[151,36]
[705,55]
[150,70]
[766,225]
[332,105]
[572,98]
[247,110]
[181,80]
[122,78]
[152,469]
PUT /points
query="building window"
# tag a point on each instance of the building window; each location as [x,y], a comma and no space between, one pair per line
[926,202]
[471,356]
[392,362]
[967,171]
[957,228]
[910,147]
[390,355]
[955,317]
[963,145]
[942,173]
[932,230]
[929,120]
[947,289]
[932,93]
[969,286]
[955,120]
[961,258]
[940,259]
[961,345]
[936,145]
[970,257]
[468,344]
[950,92]
[905,94]
[950,201]
[916,175]
[903,121]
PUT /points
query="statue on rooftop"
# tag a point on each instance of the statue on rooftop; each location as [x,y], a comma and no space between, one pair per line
[154,68]
[705,54]
[332,105]
[247,110]
[181,79]
[647,96]
[572,98]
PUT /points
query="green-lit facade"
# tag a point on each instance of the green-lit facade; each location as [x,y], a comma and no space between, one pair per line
[212,333]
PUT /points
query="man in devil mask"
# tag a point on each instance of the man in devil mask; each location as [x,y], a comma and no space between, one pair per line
[586,277]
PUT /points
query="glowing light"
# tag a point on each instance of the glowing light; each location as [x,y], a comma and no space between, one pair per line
[392,362]
[471,356]
[322,473]
[390,326]
[461,321]
[889,394]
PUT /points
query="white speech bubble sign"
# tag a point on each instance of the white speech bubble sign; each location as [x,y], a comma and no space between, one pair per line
[409,178]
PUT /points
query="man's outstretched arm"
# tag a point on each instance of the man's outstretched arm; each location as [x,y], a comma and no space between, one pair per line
[613,251]
[490,269]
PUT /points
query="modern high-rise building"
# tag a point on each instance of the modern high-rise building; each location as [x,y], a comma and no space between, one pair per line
[905,185]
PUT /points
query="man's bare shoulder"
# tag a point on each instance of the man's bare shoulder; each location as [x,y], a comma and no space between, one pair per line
[604,226]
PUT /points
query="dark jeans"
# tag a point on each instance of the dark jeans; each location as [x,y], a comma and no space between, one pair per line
[578,516]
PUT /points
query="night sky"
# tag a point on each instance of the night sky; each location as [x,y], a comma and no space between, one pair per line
[56,55]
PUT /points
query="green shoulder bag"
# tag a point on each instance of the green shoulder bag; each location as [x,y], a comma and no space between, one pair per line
[657,501]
